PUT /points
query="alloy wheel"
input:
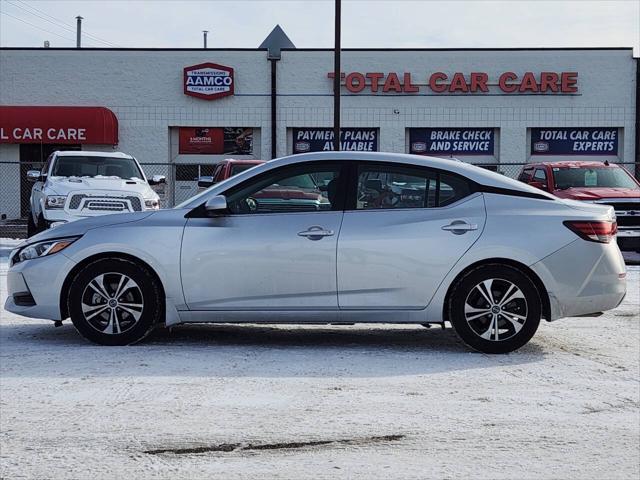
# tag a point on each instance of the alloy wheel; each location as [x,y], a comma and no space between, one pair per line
[112,303]
[496,309]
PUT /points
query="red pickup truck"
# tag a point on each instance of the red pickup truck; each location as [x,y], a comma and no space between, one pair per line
[594,182]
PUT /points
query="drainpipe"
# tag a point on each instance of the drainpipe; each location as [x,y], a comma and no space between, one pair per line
[637,171]
[274,105]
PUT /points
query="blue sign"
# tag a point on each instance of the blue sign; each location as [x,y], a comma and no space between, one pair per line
[574,141]
[321,139]
[451,141]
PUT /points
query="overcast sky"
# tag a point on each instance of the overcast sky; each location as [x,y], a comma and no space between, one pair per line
[366,23]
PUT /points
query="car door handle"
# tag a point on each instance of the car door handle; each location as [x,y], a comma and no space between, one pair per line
[315,233]
[459,227]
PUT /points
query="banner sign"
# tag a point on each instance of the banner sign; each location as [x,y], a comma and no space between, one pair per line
[208,81]
[321,139]
[574,141]
[460,82]
[215,141]
[451,141]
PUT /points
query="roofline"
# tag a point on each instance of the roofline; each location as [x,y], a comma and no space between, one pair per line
[74,49]
[417,49]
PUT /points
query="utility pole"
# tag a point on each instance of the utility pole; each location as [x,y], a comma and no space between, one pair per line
[336,80]
[78,31]
[204,38]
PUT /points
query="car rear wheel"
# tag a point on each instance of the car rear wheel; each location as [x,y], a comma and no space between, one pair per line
[495,308]
[114,302]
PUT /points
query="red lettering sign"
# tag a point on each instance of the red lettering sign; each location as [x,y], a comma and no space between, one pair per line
[474,82]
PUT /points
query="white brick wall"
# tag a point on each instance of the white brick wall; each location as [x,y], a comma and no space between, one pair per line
[144,89]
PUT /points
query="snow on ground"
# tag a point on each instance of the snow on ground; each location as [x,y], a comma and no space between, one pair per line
[321,402]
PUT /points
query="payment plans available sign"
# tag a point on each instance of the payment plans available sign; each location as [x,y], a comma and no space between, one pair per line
[574,141]
[451,141]
[208,81]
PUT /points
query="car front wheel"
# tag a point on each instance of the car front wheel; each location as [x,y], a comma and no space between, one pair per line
[114,302]
[495,308]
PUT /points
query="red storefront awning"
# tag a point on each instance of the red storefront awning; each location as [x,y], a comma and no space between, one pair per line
[65,125]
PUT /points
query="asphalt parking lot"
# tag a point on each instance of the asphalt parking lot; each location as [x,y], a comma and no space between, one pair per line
[224,401]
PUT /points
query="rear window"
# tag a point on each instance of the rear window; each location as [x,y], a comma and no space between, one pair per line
[605,177]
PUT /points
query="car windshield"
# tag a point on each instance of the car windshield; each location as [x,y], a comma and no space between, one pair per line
[599,177]
[236,168]
[90,166]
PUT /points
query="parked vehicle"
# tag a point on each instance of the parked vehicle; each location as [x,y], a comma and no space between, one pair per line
[227,168]
[78,184]
[450,242]
[595,182]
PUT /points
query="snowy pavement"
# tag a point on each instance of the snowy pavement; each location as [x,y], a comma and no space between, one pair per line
[321,402]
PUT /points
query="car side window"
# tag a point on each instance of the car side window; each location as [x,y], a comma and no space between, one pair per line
[47,164]
[216,173]
[540,175]
[398,186]
[525,176]
[305,188]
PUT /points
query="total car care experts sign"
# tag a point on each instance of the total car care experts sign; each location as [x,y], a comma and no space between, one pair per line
[460,83]
[321,139]
[574,141]
[208,81]
[451,141]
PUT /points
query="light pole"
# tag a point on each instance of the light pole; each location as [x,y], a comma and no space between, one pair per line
[204,37]
[336,80]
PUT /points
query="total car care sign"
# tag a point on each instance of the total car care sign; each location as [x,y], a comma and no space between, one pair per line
[208,81]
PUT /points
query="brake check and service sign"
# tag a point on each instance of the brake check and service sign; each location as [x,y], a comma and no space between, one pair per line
[451,141]
[208,81]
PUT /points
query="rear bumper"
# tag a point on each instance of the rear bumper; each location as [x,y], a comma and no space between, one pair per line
[583,278]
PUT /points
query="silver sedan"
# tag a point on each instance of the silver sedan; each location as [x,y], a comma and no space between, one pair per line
[332,238]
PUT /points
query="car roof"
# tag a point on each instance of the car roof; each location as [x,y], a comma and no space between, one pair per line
[89,153]
[574,164]
[479,175]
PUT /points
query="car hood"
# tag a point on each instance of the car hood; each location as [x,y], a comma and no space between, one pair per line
[586,193]
[67,185]
[80,227]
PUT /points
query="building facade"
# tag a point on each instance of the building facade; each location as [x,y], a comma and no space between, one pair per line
[192,108]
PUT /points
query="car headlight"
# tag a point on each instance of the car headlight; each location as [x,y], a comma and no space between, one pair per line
[55,201]
[152,204]
[42,249]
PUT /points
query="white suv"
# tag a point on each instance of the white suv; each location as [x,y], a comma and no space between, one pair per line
[78,184]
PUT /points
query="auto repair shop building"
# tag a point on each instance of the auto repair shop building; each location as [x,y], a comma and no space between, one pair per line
[194,107]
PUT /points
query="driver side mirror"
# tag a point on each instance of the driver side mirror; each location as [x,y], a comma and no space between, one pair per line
[33,175]
[216,205]
[157,180]
[205,181]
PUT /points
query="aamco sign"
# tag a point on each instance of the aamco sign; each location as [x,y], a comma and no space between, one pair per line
[208,81]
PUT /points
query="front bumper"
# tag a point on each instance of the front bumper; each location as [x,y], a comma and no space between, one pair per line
[583,278]
[41,279]
[629,239]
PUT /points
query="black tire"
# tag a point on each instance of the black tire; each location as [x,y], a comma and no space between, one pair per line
[467,300]
[31,226]
[131,325]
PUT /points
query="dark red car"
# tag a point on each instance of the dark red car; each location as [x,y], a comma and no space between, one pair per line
[594,182]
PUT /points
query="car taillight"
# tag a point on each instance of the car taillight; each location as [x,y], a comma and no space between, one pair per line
[594,231]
